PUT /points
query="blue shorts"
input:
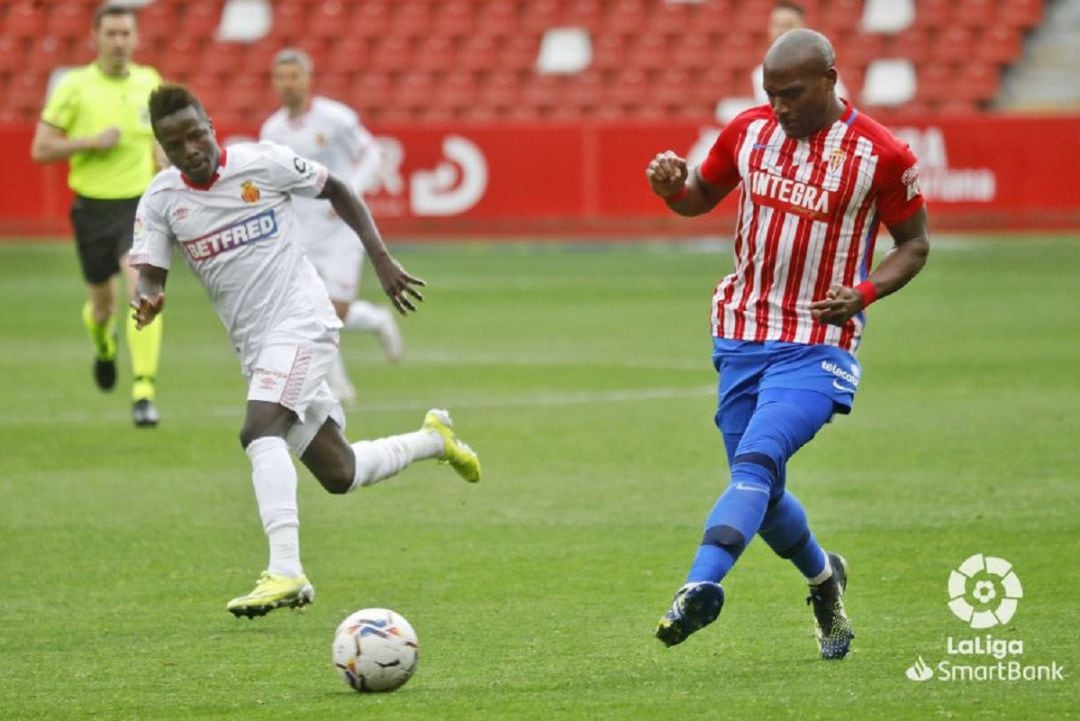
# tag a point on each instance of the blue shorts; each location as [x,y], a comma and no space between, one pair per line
[746,368]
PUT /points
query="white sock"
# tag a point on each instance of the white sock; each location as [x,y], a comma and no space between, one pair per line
[274,477]
[825,575]
[381,458]
[363,315]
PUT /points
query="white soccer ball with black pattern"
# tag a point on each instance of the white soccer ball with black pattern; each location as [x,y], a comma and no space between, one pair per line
[375,649]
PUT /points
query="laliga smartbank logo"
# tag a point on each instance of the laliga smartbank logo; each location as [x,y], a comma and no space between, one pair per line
[984,591]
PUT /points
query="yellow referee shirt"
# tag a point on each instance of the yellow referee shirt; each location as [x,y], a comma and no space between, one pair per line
[85,102]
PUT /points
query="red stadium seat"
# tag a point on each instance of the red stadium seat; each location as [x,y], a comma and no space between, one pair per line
[371,92]
[371,20]
[334,85]
[25,20]
[935,82]
[751,16]
[500,92]
[496,19]
[692,51]
[456,92]
[1023,14]
[954,44]
[394,53]
[201,18]
[289,20]
[26,96]
[627,17]
[585,92]
[479,53]
[861,49]
[413,91]
[455,19]
[46,54]
[349,54]
[588,14]
[610,52]
[328,21]
[629,89]
[538,17]
[543,93]
[977,83]
[716,83]
[434,54]
[519,52]
[912,43]
[69,20]
[841,16]
[975,13]
[933,14]
[670,19]
[999,44]
[224,60]
[412,20]
[649,52]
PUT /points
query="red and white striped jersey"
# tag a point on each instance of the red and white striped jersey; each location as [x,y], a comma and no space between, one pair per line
[808,217]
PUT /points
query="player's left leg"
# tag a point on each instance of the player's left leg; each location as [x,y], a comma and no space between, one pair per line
[342,467]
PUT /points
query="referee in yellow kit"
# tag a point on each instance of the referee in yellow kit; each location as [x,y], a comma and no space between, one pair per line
[97,119]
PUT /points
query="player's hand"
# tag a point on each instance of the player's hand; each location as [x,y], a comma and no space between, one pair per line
[838,307]
[146,309]
[398,285]
[667,174]
[107,138]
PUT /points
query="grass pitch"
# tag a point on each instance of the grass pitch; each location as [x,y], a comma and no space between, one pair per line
[581,374]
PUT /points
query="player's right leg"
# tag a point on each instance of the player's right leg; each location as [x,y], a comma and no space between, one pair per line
[100,265]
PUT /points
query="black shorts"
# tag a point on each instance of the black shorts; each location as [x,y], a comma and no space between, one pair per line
[103,234]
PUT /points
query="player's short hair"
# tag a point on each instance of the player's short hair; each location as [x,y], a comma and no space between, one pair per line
[113,10]
[169,98]
[296,56]
[792,6]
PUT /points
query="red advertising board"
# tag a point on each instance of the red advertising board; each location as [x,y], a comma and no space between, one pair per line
[980,172]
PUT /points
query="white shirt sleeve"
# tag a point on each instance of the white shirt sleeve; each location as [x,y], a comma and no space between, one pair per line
[289,173]
[362,151]
[152,244]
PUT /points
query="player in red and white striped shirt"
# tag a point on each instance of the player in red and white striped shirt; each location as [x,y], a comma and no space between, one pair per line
[816,178]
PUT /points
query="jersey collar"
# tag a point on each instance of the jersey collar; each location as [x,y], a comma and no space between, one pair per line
[213,179]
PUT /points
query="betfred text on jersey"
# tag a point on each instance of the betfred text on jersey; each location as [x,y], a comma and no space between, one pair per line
[789,195]
[249,230]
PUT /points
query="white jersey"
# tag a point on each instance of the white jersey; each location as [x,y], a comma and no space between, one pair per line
[237,235]
[329,133]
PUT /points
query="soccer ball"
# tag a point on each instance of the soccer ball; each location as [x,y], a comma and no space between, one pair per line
[375,649]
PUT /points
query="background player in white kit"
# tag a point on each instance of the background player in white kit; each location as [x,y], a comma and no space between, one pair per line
[231,214]
[330,133]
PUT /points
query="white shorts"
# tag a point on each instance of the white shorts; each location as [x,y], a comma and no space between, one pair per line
[337,255]
[293,375]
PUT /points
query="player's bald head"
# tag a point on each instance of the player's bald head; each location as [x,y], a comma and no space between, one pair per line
[800,50]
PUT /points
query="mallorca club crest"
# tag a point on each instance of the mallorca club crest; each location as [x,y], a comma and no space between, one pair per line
[249,192]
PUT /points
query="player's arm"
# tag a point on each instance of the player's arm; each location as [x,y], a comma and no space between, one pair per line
[149,298]
[682,187]
[51,144]
[903,262]
[396,283]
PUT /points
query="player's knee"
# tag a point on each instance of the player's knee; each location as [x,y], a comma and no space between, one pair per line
[761,462]
[336,480]
[726,537]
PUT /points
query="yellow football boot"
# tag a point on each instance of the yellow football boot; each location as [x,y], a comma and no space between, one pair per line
[272,591]
[457,453]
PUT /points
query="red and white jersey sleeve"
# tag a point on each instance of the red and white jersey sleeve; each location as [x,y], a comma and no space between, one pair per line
[808,217]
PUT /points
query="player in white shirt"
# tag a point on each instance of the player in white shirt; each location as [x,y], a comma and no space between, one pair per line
[231,215]
[330,133]
[784,16]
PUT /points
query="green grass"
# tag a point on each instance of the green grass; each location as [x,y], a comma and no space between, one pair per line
[582,376]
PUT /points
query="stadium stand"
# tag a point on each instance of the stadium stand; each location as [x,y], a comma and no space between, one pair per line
[426,60]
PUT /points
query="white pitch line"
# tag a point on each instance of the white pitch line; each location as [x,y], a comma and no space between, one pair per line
[528,400]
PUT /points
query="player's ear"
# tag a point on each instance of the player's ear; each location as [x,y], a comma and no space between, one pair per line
[830,78]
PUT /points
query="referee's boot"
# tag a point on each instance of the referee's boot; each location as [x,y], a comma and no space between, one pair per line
[143,411]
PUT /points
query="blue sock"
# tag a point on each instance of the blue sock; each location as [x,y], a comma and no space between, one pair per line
[787,532]
[732,523]
[783,421]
